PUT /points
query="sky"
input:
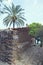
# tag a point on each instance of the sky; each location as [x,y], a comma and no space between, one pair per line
[33,10]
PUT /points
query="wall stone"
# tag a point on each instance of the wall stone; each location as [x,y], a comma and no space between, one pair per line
[12,43]
[6,46]
[16,48]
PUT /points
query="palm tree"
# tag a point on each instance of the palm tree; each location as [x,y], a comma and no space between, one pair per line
[0,0]
[14,15]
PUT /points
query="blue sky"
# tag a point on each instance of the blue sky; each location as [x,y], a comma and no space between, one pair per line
[33,10]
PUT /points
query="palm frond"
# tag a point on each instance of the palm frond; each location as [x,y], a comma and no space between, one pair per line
[10,23]
[23,18]
[17,8]
[20,10]
[7,8]
[2,12]
[13,9]
[17,24]
[21,22]
[6,23]
[0,0]
[21,13]
[7,20]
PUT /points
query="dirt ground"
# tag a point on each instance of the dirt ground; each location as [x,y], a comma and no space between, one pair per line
[32,56]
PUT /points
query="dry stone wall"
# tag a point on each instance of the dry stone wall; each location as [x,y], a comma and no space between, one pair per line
[5,46]
[13,43]
[16,48]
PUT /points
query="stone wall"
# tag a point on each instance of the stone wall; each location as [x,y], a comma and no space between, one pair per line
[5,46]
[16,48]
[12,43]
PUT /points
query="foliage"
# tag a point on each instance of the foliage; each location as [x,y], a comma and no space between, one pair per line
[15,15]
[39,33]
[2,0]
[33,28]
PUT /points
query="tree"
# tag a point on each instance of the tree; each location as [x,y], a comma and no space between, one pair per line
[39,34]
[33,28]
[14,15]
[2,0]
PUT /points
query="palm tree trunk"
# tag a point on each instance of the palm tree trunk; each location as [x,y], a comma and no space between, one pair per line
[13,24]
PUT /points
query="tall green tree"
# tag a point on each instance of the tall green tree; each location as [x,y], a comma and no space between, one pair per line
[15,15]
[39,33]
[34,28]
